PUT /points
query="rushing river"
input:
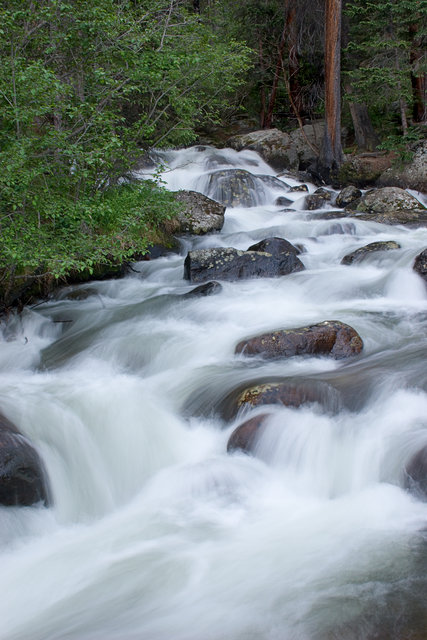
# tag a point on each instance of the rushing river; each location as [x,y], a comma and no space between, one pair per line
[155,532]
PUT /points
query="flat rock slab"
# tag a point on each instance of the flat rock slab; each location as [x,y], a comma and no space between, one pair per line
[331,338]
[359,254]
[203,265]
[23,480]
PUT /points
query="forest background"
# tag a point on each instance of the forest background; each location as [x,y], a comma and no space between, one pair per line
[86,87]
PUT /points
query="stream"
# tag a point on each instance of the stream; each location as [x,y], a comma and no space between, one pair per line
[156,532]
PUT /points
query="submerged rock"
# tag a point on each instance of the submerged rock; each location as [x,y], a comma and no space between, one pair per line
[416,474]
[235,188]
[244,437]
[420,264]
[208,289]
[359,254]
[331,338]
[231,264]
[23,480]
[201,214]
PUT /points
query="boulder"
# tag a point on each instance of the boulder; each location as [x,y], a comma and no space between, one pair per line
[317,199]
[331,338]
[347,196]
[416,474]
[203,265]
[364,170]
[412,175]
[208,289]
[244,437]
[286,392]
[23,480]
[200,215]
[386,200]
[359,254]
[295,150]
[276,246]
[420,264]
[235,188]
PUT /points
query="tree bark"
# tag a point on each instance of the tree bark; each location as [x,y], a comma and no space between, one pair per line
[331,154]
[366,138]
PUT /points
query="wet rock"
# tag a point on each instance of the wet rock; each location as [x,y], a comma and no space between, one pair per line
[208,289]
[416,474]
[282,201]
[347,196]
[244,437]
[295,150]
[299,187]
[330,338]
[231,264]
[317,199]
[201,214]
[236,188]
[420,264]
[386,200]
[359,254]
[341,229]
[275,246]
[23,480]
[288,392]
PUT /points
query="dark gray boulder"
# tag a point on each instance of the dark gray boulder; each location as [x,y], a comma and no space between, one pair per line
[203,265]
[359,254]
[331,338]
[275,246]
[23,479]
[420,264]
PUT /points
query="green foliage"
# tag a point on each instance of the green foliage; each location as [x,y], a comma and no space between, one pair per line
[83,87]
[380,56]
[403,145]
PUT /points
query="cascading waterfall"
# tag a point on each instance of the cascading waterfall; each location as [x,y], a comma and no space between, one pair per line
[156,532]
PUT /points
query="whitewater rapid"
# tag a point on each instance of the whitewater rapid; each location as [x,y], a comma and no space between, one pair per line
[155,531]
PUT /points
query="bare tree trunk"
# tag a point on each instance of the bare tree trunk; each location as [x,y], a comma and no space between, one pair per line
[364,132]
[331,154]
[269,116]
[293,60]
[418,80]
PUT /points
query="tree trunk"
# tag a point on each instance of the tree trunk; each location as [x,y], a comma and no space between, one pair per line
[293,60]
[366,138]
[418,80]
[269,115]
[331,154]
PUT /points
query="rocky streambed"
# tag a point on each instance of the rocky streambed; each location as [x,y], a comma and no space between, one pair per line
[230,440]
